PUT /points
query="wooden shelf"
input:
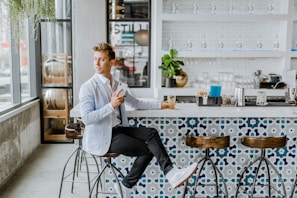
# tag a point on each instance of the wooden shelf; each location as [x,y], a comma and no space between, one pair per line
[52,135]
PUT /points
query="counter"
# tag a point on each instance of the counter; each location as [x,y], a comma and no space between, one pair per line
[189,119]
[192,110]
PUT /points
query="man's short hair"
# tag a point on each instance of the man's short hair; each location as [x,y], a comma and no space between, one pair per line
[105,47]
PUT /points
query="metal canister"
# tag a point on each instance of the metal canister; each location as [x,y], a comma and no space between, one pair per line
[239,96]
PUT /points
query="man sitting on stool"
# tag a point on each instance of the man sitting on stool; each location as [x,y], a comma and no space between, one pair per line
[107,129]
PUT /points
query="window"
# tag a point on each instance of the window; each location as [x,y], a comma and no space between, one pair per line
[56,74]
[17,63]
[129,33]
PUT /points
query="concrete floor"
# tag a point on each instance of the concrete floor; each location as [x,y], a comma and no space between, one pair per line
[41,175]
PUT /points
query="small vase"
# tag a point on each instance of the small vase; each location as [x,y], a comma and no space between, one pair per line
[170,82]
[181,79]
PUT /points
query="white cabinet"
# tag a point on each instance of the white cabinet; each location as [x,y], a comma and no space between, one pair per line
[225,36]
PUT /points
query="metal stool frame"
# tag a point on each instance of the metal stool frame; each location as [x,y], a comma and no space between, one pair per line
[79,157]
[293,190]
[208,143]
[115,170]
[267,163]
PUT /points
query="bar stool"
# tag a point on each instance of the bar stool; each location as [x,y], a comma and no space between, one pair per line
[293,190]
[263,143]
[99,180]
[74,131]
[209,142]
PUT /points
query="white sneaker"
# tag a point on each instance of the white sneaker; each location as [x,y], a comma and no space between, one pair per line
[177,177]
[126,191]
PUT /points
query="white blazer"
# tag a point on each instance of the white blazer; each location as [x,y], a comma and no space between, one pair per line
[96,113]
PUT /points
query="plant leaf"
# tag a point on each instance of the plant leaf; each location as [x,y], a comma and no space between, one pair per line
[173,53]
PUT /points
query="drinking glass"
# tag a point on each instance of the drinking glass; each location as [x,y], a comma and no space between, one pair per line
[239,42]
[251,7]
[189,44]
[171,99]
[221,42]
[213,7]
[174,7]
[270,7]
[203,42]
[259,42]
[170,42]
[231,7]
[195,7]
[276,43]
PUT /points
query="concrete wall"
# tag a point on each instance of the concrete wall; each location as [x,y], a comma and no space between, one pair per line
[19,137]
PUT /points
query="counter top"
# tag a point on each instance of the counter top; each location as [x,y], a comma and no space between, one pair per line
[192,110]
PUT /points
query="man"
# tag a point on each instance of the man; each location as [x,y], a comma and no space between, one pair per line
[107,129]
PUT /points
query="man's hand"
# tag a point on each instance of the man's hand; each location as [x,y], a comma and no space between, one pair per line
[116,100]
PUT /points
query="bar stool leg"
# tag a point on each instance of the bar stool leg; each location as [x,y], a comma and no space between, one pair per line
[242,175]
[97,180]
[216,173]
[64,169]
[262,159]
[279,176]
[79,157]
[75,167]
[115,170]
[294,186]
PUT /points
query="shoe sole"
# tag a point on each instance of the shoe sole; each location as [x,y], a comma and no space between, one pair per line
[181,183]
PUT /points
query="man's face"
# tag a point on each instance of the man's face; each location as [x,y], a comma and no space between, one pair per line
[102,64]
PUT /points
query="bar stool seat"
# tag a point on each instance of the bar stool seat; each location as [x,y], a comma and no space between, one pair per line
[207,143]
[74,131]
[263,143]
[99,180]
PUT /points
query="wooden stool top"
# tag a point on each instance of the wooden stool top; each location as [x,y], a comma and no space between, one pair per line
[73,131]
[208,141]
[264,142]
[110,155]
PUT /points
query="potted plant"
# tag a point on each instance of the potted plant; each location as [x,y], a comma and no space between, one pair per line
[171,67]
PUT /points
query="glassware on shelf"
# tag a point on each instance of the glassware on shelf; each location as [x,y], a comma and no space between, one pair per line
[170,43]
[203,42]
[231,7]
[259,42]
[221,42]
[251,7]
[276,43]
[189,43]
[214,7]
[239,43]
[195,7]
[270,7]
[174,7]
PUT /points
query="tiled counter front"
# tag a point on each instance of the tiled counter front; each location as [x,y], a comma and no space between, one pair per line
[230,161]
[174,125]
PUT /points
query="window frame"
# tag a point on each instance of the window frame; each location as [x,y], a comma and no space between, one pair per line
[15,76]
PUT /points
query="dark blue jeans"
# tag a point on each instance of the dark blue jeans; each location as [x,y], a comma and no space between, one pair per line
[142,143]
